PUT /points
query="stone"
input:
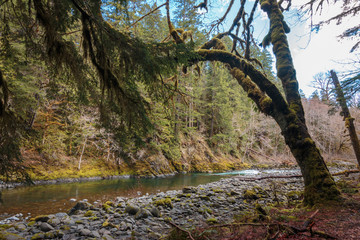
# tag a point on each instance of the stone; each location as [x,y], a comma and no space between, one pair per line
[155,212]
[45,227]
[54,222]
[85,232]
[123,226]
[142,213]
[231,200]
[95,234]
[20,227]
[61,215]
[189,190]
[107,237]
[42,218]
[233,193]
[131,209]
[79,206]
[250,195]
[10,236]
[38,236]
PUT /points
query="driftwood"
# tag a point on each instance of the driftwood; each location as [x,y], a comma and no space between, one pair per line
[346,173]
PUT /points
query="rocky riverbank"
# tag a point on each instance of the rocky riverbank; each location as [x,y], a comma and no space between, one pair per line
[148,217]
[153,216]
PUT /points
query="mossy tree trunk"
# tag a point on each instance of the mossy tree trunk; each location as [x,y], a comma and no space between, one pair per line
[288,112]
[349,121]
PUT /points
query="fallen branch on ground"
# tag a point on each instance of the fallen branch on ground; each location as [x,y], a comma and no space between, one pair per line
[181,229]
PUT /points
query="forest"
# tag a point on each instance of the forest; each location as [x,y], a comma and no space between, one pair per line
[152,88]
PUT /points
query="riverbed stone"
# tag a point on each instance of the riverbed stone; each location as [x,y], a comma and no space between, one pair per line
[231,200]
[189,190]
[85,232]
[142,213]
[79,206]
[54,222]
[45,227]
[131,209]
[155,212]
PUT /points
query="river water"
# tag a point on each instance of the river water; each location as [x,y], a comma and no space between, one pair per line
[47,199]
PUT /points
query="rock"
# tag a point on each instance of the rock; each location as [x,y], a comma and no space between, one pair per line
[85,232]
[123,226]
[42,218]
[107,237]
[79,206]
[20,227]
[38,236]
[233,193]
[61,215]
[10,236]
[189,190]
[95,234]
[131,209]
[142,213]
[231,200]
[13,218]
[54,222]
[45,227]
[250,195]
[155,212]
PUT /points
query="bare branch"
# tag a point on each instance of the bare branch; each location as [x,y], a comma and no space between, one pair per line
[146,15]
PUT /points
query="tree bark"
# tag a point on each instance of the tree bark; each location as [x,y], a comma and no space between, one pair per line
[288,112]
[349,121]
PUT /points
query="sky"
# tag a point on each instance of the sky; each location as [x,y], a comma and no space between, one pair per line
[322,51]
[312,52]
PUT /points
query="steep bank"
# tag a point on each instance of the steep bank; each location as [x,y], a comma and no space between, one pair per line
[193,155]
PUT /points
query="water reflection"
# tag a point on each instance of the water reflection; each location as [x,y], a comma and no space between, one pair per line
[47,199]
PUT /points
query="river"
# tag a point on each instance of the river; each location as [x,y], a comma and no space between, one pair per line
[47,199]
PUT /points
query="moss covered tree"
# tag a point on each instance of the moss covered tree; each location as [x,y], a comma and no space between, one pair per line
[287,111]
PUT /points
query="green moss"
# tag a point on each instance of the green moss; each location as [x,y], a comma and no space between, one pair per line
[65,227]
[107,207]
[89,213]
[6,226]
[31,223]
[205,210]
[41,218]
[250,195]
[218,190]
[50,235]
[212,220]
[204,197]
[165,202]
[38,236]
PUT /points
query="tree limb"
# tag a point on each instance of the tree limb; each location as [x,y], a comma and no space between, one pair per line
[146,15]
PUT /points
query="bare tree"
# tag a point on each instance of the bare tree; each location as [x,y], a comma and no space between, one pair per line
[349,121]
